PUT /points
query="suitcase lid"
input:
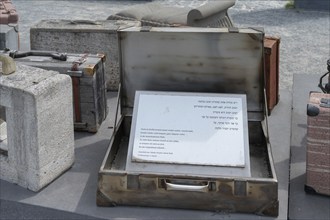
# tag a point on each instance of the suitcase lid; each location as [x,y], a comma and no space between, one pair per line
[191,59]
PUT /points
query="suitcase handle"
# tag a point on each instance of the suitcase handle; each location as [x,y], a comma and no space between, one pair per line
[183,187]
[326,88]
[54,55]
[88,22]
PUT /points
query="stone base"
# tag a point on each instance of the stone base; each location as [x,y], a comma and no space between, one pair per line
[9,37]
[40,137]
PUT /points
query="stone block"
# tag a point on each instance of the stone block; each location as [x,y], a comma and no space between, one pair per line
[83,37]
[40,137]
[9,37]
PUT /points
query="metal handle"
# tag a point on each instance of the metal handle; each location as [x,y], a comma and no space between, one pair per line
[326,88]
[84,22]
[54,55]
[189,188]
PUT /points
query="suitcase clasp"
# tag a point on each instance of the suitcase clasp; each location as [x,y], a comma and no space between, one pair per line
[325,103]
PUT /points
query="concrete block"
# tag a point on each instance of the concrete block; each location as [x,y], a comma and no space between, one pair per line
[83,37]
[40,137]
[9,37]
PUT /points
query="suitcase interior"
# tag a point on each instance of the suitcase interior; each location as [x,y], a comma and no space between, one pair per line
[147,64]
[259,158]
[256,194]
[259,152]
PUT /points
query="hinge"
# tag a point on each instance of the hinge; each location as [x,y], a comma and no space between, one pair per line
[233,30]
[145,29]
[77,73]
[325,103]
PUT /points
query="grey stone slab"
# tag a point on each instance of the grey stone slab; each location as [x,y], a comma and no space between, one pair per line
[38,104]
[318,206]
[16,210]
[279,132]
[9,37]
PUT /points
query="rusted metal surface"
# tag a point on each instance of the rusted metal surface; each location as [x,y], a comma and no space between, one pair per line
[192,60]
[272,50]
[318,144]
[76,87]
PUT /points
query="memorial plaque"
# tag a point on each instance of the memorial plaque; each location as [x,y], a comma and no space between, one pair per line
[192,129]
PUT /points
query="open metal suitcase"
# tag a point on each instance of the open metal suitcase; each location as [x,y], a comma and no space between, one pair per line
[191,60]
[88,82]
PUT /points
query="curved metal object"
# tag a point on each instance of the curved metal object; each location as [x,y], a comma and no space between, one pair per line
[326,88]
[8,65]
[190,188]
[54,55]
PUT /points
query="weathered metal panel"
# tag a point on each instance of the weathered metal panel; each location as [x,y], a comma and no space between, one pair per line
[272,50]
[318,144]
[193,60]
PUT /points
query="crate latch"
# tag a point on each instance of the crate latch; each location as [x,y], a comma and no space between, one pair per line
[233,30]
[78,73]
[145,29]
[325,103]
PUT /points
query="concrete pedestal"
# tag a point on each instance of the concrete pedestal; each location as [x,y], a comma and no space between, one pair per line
[40,137]
[9,36]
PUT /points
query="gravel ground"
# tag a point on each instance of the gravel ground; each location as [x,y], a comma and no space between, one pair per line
[305,35]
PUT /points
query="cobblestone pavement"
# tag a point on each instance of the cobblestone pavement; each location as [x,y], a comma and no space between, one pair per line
[305,35]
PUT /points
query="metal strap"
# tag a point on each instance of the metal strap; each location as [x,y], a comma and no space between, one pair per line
[325,103]
[76,87]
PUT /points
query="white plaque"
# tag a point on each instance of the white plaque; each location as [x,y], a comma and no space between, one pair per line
[189,128]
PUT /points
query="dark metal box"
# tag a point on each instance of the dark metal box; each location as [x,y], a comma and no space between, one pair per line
[192,60]
[87,74]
